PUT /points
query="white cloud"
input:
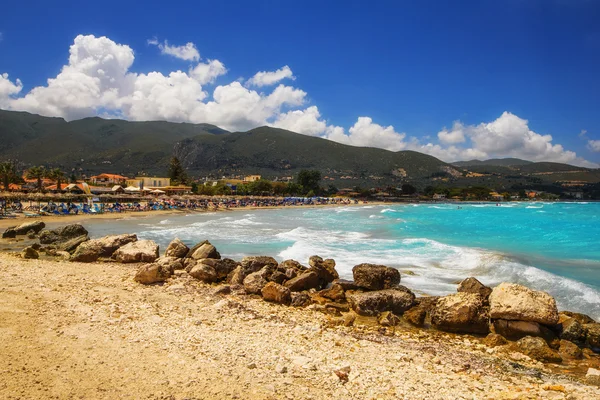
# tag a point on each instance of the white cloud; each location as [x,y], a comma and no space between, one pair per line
[265,78]
[8,89]
[453,136]
[583,133]
[98,80]
[187,52]
[594,145]
[209,72]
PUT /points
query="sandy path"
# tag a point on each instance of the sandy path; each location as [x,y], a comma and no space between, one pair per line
[71,330]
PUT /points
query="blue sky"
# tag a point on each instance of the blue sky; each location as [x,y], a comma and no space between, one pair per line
[458,80]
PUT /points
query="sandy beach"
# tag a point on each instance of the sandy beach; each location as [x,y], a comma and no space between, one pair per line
[73,330]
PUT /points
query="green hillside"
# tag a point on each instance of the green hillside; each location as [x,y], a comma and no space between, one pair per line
[495,162]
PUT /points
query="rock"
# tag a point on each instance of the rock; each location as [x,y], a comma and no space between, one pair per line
[152,273]
[345,284]
[349,318]
[396,300]
[29,253]
[388,318]
[62,234]
[171,263]
[291,265]
[276,293]
[224,267]
[325,269]
[236,277]
[35,226]
[37,247]
[375,277]
[593,377]
[203,250]
[515,330]
[92,250]
[571,329]
[71,244]
[342,374]
[177,249]
[223,290]
[256,263]
[300,299]
[581,318]
[592,332]
[305,281]
[280,369]
[569,349]
[494,340]
[31,234]
[335,293]
[538,349]
[472,285]
[204,273]
[254,282]
[417,315]
[278,277]
[139,251]
[9,233]
[461,312]
[516,302]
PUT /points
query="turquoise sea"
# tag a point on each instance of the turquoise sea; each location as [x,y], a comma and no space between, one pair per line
[547,246]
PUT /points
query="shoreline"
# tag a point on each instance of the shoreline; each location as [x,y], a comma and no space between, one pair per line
[79,218]
[88,330]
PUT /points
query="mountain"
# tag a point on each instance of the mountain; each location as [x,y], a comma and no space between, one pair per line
[94,145]
[496,162]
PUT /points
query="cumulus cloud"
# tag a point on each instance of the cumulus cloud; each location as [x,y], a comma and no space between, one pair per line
[594,145]
[453,136]
[98,80]
[266,78]
[8,89]
[187,52]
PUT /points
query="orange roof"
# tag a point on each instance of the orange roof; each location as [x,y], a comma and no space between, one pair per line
[109,176]
[14,186]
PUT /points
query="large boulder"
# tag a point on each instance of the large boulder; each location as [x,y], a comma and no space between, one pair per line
[538,349]
[138,251]
[306,281]
[152,273]
[170,263]
[581,318]
[325,269]
[417,315]
[515,330]
[335,292]
[592,332]
[177,249]
[9,233]
[276,293]
[203,250]
[256,281]
[472,285]
[29,253]
[24,228]
[571,329]
[291,268]
[103,247]
[256,263]
[396,300]
[516,302]
[204,272]
[71,244]
[461,312]
[375,277]
[62,234]
[569,349]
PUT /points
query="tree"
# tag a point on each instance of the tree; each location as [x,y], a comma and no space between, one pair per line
[408,189]
[56,175]
[260,187]
[37,173]
[176,172]
[293,189]
[309,180]
[8,173]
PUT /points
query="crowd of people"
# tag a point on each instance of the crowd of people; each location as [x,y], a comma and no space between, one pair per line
[200,204]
